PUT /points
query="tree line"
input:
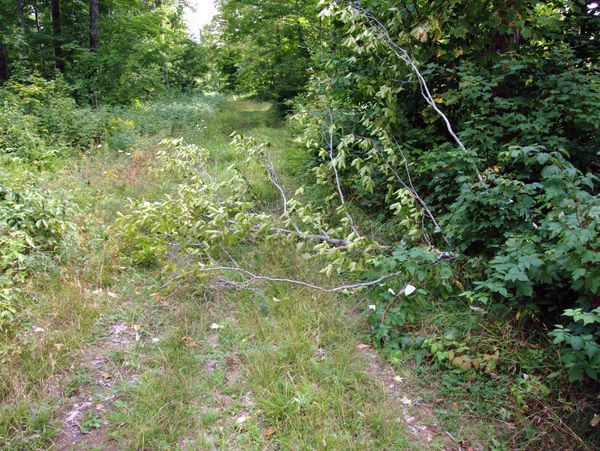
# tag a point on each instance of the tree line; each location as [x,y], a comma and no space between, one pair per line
[114,50]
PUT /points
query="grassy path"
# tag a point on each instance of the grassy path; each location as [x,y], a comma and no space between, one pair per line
[105,360]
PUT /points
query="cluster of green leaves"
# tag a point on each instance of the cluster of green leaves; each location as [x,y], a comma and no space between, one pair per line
[40,122]
[141,54]
[580,351]
[547,232]
[32,221]
[265,47]
[178,115]
[195,232]
[518,205]
[196,220]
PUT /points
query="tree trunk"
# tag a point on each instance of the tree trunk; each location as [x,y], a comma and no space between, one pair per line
[23,27]
[39,30]
[59,61]
[4,73]
[94,15]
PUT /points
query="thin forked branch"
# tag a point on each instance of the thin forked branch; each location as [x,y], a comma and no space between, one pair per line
[425,92]
[337,175]
[254,278]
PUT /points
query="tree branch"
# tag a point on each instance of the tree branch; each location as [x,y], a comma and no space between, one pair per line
[337,175]
[425,92]
[253,278]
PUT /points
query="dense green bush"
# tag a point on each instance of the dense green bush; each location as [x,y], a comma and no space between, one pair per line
[172,115]
[20,140]
[539,219]
[41,122]
[519,204]
[580,351]
[32,221]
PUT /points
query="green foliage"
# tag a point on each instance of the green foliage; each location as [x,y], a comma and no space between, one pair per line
[121,133]
[264,47]
[580,351]
[189,217]
[149,53]
[172,116]
[387,320]
[519,204]
[32,221]
[41,123]
[504,212]
[209,216]
[35,422]
[143,48]
[547,232]
[19,139]
[89,423]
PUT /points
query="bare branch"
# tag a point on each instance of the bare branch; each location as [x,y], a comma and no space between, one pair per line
[309,236]
[275,179]
[253,278]
[337,175]
[425,92]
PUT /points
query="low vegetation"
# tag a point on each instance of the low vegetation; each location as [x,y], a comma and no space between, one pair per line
[327,224]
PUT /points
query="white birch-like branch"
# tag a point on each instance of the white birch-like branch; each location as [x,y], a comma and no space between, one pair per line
[337,242]
[254,278]
[338,184]
[425,92]
[273,177]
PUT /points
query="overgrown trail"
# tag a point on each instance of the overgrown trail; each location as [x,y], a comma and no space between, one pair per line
[110,361]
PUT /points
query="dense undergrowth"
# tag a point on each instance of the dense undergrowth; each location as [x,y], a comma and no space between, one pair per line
[469,131]
[44,129]
[513,193]
[443,182]
[500,359]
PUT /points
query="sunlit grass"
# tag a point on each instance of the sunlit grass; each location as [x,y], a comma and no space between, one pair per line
[267,368]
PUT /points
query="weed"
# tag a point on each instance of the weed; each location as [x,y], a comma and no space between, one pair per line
[89,423]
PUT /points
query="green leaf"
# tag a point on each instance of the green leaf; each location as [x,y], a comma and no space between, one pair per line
[576,342]
[575,374]
[591,349]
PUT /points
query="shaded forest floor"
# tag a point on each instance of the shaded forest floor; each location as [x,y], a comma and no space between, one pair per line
[105,359]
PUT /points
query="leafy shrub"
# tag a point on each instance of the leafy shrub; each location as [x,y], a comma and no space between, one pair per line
[40,122]
[40,215]
[580,351]
[31,221]
[75,126]
[545,235]
[121,134]
[519,202]
[171,115]
[20,141]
